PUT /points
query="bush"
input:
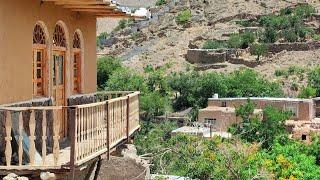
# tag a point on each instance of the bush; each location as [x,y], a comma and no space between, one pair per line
[235,41]
[247,39]
[270,35]
[123,23]
[183,17]
[304,10]
[244,23]
[101,38]
[259,50]
[161,2]
[314,79]
[214,44]
[290,35]
[105,67]
[308,92]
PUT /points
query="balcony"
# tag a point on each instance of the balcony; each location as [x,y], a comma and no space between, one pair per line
[36,137]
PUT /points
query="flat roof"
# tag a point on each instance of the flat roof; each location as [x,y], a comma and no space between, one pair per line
[261,98]
[226,109]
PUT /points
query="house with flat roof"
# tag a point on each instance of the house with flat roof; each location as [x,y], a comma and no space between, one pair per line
[220,113]
[51,117]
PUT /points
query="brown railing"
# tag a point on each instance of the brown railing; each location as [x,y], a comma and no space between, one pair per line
[94,129]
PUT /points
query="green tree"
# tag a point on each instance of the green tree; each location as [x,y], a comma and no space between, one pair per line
[290,35]
[105,67]
[247,38]
[259,50]
[314,79]
[270,35]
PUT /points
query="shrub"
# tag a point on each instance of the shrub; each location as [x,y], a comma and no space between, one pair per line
[214,44]
[183,17]
[161,2]
[244,22]
[294,86]
[290,35]
[259,50]
[316,37]
[247,39]
[314,79]
[308,92]
[304,10]
[235,41]
[123,23]
[270,35]
[101,38]
[105,67]
[305,32]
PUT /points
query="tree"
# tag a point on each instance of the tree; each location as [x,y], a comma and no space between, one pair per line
[259,50]
[105,67]
[290,35]
[161,2]
[270,35]
[314,79]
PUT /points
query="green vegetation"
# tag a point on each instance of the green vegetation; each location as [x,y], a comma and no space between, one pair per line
[308,92]
[292,70]
[102,37]
[314,79]
[215,44]
[123,23]
[259,50]
[105,67]
[235,41]
[288,24]
[161,2]
[183,17]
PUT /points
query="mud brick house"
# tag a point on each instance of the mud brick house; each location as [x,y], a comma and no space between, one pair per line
[220,113]
[51,117]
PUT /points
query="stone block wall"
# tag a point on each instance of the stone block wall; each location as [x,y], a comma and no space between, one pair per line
[206,56]
[297,46]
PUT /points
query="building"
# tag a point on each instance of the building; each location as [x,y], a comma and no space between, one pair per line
[48,86]
[220,113]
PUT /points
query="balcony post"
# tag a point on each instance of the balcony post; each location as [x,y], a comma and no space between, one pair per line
[128,119]
[73,133]
[106,109]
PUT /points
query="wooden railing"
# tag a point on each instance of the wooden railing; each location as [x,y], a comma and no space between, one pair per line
[94,130]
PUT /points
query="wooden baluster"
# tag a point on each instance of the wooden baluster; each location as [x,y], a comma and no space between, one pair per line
[44,137]
[92,130]
[8,138]
[32,137]
[100,126]
[20,151]
[81,133]
[56,137]
[87,131]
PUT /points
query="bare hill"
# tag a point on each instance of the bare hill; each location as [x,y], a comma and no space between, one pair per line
[164,41]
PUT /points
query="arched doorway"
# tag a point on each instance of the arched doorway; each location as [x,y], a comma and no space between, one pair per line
[39,63]
[77,62]
[59,53]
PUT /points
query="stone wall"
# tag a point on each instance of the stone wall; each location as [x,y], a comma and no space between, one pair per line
[297,46]
[206,56]
[26,118]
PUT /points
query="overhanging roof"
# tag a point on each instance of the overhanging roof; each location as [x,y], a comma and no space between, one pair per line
[99,8]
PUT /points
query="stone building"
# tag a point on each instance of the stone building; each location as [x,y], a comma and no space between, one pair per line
[220,113]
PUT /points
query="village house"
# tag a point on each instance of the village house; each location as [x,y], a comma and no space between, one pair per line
[220,113]
[51,117]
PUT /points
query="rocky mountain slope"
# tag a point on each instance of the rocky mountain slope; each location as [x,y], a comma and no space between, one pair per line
[161,40]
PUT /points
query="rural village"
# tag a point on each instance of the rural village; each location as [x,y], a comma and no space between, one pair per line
[160,89]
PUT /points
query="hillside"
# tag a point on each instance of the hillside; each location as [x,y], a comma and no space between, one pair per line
[162,41]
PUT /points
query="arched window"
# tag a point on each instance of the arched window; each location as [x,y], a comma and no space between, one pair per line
[59,37]
[77,62]
[39,61]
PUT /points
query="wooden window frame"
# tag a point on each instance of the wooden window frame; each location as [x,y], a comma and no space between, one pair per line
[42,92]
[76,64]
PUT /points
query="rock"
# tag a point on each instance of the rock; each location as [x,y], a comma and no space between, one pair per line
[10,176]
[22,178]
[47,176]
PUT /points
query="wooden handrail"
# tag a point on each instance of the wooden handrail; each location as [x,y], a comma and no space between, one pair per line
[95,129]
